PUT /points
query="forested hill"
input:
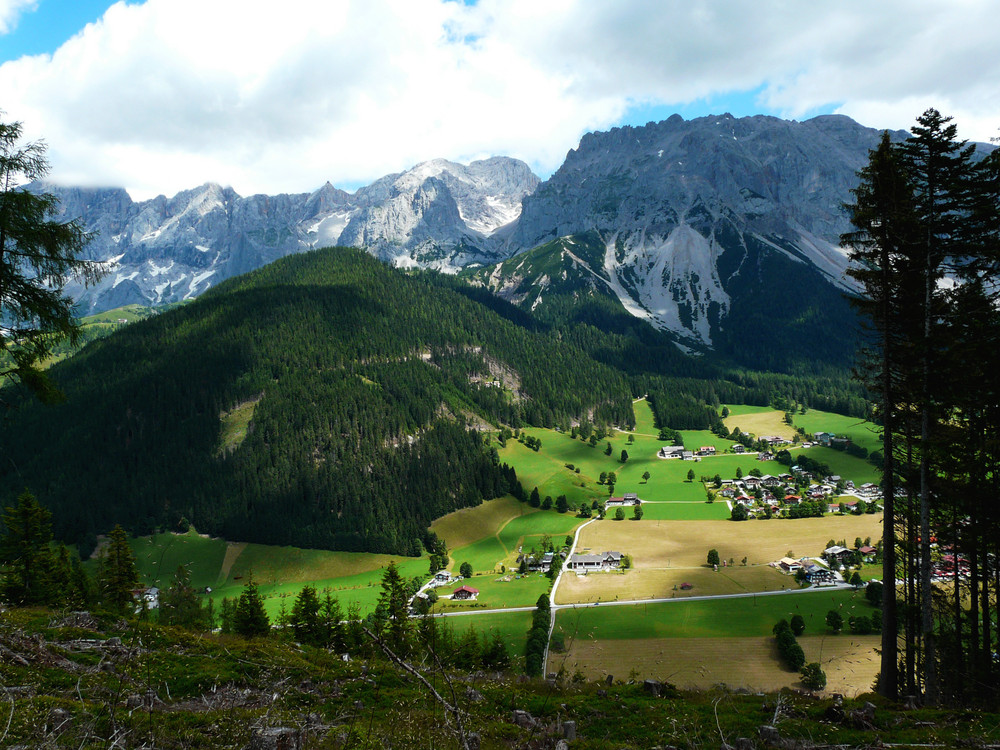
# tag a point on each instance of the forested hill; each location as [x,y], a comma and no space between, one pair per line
[329,401]
[355,380]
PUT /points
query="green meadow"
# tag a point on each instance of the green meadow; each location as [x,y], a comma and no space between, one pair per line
[859,431]
[512,627]
[497,593]
[714,618]
[680,511]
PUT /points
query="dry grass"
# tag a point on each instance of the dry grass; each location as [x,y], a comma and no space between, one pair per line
[764,423]
[666,554]
[666,582]
[677,544]
[850,662]
[468,525]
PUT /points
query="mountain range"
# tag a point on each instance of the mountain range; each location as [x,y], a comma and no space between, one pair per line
[694,226]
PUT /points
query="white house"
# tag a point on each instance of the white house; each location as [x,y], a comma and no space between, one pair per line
[605,561]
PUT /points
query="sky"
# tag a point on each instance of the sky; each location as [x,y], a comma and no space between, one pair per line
[268,97]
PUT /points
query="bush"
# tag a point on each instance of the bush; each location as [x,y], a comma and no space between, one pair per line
[798,625]
[834,621]
[813,676]
[873,593]
[860,625]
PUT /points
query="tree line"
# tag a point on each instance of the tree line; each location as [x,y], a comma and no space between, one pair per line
[926,250]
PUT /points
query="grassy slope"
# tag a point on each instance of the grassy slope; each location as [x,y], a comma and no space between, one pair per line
[859,431]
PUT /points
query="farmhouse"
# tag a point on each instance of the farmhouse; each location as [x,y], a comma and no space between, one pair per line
[671,451]
[441,578]
[533,562]
[706,450]
[606,561]
[630,498]
[818,575]
[836,553]
[465,592]
[823,438]
[789,565]
[148,598]
[738,448]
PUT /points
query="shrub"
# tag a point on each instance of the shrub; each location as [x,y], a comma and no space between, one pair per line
[798,625]
[834,621]
[813,676]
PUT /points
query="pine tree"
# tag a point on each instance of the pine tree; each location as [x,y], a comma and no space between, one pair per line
[24,548]
[249,616]
[305,618]
[882,255]
[179,604]
[394,609]
[118,576]
[38,256]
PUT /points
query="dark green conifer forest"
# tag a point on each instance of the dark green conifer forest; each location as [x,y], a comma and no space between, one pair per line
[364,392]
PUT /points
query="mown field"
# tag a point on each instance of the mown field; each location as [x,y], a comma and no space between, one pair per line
[665,555]
[850,662]
[758,420]
[701,643]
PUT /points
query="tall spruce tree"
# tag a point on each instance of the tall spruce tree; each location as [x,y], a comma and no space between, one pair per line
[179,604]
[118,575]
[38,255]
[393,609]
[881,255]
[25,550]
[925,252]
[249,616]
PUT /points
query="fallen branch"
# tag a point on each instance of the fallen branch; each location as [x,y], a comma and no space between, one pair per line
[452,709]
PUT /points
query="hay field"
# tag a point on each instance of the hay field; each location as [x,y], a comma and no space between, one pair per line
[666,582]
[675,544]
[771,422]
[666,554]
[850,662]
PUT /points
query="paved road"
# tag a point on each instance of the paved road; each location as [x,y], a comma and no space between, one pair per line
[656,600]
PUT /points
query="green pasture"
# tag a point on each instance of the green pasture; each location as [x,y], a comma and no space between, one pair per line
[158,557]
[737,410]
[280,572]
[645,422]
[360,588]
[679,511]
[695,439]
[858,430]
[847,466]
[716,618]
[485,555]
[512,627]
[557,525]
[495,593]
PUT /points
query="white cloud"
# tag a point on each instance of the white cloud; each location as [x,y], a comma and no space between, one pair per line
[10,10]
[283,96]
